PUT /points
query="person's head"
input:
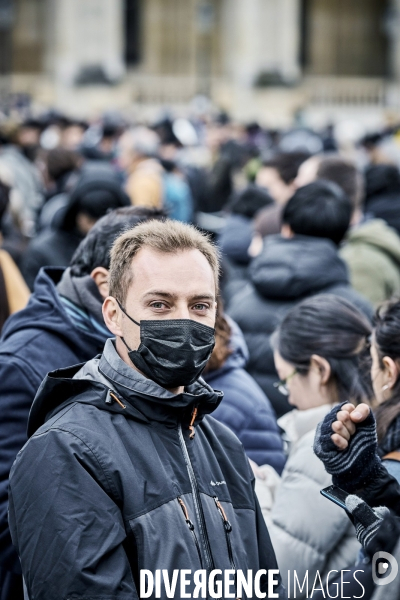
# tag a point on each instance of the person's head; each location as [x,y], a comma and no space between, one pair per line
[320,209]
[136,144]
[160,270]
[249,201]
[385,368]
[60,162]
[28,134]
[94,195]
[320,353]
[333,168]
[72,135]
[381,179]
[92,257]
[277,175]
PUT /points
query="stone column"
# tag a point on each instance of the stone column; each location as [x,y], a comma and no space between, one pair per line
[85,41]
[393,32]
[261,36]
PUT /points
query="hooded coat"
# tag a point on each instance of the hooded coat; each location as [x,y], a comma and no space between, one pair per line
[245,409]
[286,272]
[110,482]
[372,254]
[38,339]
[96,192]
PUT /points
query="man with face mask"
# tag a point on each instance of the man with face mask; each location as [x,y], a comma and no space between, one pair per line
[124,469]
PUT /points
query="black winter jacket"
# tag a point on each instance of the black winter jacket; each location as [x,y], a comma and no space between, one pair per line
[38,339]
[286,272]
[102,487]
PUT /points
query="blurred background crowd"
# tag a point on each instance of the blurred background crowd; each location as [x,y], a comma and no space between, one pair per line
[273,125]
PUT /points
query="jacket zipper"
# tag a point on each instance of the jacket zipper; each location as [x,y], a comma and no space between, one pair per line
[197,503]
[191,528]
[227,529]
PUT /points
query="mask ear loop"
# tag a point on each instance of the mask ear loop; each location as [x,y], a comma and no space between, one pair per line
[133,320]
[125,313]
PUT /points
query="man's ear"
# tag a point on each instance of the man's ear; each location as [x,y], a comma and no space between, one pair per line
[286,231]
[323,366]
[112,316]
[100,277]
[391,371]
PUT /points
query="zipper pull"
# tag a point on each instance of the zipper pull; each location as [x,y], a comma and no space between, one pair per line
[191,426]
[185,512]
[227,525]
[117,400]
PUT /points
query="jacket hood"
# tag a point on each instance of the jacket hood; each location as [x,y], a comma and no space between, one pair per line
[110,384]
[238,358]
[297,267]
[45,308]
[377,232]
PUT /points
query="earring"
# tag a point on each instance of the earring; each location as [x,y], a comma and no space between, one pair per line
[385,387]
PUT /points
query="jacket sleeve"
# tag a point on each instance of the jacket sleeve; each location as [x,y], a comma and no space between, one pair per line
[65,522]
[261,438]
[17,390]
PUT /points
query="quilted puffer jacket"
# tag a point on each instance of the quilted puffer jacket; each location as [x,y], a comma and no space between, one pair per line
[308,532]
[120,475]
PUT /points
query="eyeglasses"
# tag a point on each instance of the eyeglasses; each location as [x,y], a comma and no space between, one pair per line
[282,384]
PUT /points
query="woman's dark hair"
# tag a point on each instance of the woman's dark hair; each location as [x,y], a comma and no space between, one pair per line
[334,329]
[61,161]
[387,342]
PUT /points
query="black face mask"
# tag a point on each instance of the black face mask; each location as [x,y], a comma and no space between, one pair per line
[172,352]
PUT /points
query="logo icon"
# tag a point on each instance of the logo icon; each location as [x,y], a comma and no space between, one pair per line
[384,568]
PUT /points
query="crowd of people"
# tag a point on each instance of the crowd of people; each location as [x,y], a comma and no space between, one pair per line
[247,274]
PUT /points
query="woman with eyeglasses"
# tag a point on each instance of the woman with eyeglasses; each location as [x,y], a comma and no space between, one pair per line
[321,352]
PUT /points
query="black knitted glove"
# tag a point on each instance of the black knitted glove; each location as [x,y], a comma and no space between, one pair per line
[365,519]
[353,467]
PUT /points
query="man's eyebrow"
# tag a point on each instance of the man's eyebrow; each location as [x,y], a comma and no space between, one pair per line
[159,293]
[163,294]
[203,297]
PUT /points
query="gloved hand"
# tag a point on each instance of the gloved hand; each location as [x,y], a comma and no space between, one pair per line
[366,520]
[353,467]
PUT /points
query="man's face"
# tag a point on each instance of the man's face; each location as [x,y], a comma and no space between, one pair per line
[269,178]
[164,286]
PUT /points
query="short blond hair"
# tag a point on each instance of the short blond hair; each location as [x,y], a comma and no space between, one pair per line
[163,236]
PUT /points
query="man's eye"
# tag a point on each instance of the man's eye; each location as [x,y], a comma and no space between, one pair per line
[200,306]
[157,305]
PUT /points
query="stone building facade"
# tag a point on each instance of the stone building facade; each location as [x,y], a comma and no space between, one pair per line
[254,57]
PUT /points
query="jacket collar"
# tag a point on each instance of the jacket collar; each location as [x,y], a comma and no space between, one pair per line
[298,423]
[153,401]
